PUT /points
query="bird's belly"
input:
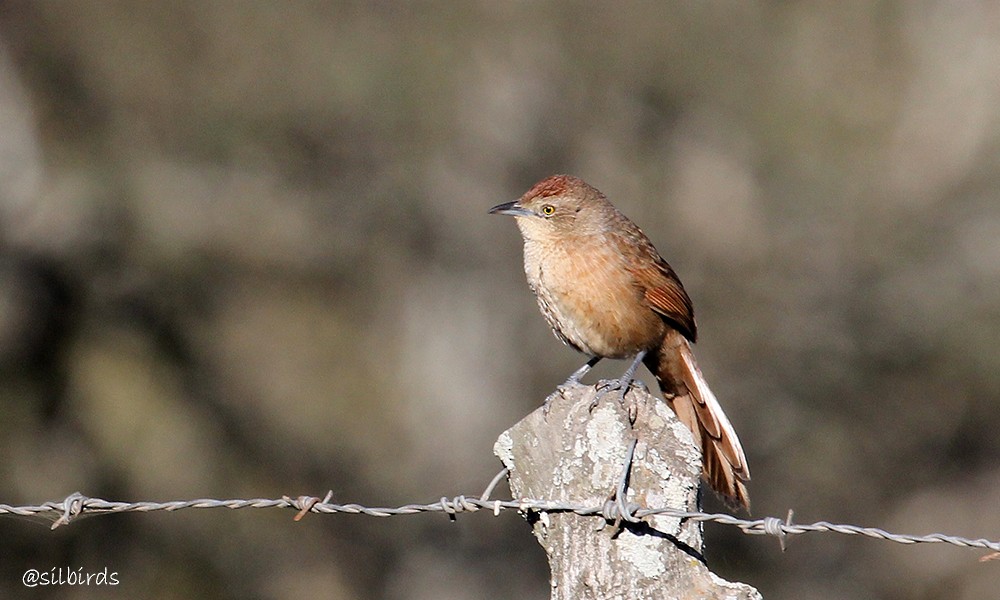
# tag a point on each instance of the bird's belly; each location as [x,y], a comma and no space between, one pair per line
[601,314]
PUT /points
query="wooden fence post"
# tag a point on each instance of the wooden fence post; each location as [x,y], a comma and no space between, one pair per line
[576,455]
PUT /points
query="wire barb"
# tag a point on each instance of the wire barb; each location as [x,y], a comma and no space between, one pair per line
[493,484]
[305,504]
[71,507]
[774,526]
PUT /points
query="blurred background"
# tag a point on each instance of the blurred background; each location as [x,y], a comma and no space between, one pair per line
[244,252]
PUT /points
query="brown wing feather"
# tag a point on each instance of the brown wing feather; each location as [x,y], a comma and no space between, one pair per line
[659,284]
[665,294]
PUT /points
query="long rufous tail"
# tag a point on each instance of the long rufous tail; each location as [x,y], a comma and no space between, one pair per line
[685,390]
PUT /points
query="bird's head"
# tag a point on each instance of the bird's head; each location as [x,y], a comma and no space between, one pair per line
[557,204]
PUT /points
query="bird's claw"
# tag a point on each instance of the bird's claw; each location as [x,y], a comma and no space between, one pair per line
[547,404]
[567,386]
[606,386]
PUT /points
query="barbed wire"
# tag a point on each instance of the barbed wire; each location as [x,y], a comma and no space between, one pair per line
[614,510]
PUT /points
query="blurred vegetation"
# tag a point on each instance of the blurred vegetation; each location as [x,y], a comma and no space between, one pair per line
[244,251]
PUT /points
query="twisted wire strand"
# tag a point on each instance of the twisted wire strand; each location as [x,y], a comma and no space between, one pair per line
[76,505]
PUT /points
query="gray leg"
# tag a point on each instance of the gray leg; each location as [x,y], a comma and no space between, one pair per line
[572,381]
[578,374]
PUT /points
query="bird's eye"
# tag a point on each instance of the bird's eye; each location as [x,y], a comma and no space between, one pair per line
[548,210]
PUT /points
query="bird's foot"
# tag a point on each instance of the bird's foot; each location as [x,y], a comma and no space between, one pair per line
[621,385]
[573,380]
[547,404]
[606,386]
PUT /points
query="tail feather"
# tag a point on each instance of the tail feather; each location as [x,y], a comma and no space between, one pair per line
[686,391]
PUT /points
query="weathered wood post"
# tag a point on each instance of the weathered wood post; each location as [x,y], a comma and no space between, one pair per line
[577,456]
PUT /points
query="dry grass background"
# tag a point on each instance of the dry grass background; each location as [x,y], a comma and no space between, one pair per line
[244,251]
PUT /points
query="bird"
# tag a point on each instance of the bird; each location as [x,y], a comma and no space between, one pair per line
[605,291]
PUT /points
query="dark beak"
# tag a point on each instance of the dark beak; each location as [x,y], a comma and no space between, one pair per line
[511,208]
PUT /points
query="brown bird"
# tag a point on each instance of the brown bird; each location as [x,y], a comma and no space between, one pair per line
[606,291]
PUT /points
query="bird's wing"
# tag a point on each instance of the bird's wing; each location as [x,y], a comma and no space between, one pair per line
[665,294]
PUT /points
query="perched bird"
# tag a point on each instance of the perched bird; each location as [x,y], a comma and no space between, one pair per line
[606,291]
